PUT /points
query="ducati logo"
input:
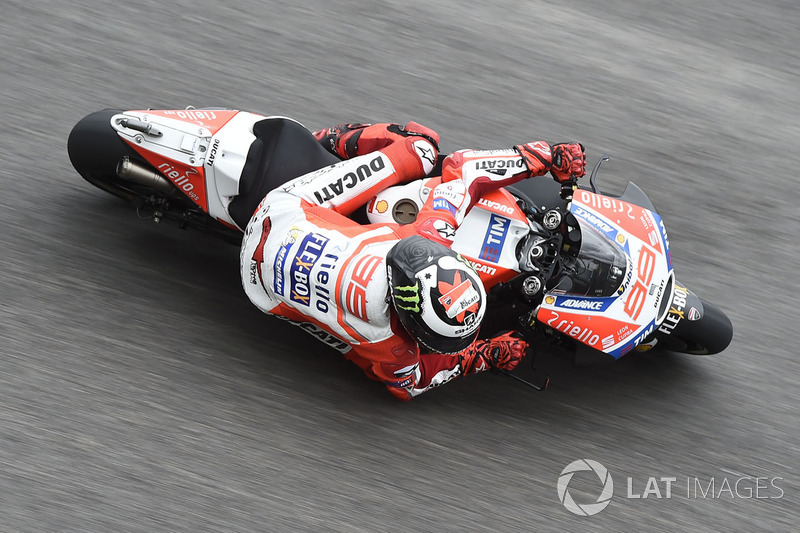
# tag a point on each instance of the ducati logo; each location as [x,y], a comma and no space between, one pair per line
[459,298]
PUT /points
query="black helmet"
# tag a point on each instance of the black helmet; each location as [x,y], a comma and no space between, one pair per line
[438,296]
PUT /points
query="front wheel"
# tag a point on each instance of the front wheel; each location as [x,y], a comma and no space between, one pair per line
[710,334]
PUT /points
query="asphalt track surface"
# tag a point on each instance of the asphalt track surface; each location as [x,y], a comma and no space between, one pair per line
[140,390]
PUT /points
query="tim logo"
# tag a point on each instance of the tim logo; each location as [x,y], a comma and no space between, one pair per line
[440,204]
[307,255]
[495,238]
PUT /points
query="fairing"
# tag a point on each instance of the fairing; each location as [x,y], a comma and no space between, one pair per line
[202,152]
[593,306]
[490,235]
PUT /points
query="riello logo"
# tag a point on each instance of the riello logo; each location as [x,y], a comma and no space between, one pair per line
[181,180]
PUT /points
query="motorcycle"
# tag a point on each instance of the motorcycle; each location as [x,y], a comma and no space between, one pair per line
[590,273]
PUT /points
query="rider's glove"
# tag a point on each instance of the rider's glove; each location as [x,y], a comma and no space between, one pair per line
[502,352]
[569,162]
[565,161]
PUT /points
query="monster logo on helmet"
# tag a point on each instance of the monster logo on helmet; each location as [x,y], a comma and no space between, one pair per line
[438,296]
[404,302]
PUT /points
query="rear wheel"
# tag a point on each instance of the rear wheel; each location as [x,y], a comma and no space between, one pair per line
[95,149]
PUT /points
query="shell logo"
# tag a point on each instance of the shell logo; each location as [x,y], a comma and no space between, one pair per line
[621,238]
[550,300]
[382,206]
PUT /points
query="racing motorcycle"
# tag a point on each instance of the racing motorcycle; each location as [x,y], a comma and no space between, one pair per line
[590,272]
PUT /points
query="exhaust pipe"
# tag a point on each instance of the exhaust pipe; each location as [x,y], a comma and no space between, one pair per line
[133,172]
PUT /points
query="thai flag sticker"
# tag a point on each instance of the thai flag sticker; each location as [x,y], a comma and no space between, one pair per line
[495,238]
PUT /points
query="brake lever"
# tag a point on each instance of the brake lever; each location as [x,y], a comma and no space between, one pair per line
[534,386]
[542,380]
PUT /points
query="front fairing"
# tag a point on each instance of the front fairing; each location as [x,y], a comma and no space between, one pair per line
[613,292]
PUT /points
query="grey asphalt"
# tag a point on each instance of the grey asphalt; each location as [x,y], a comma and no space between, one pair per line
[141,391]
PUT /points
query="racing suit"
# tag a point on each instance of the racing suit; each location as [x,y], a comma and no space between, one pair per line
[303,260]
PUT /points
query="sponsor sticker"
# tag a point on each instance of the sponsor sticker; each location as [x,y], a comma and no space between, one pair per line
[277,268]
[308,253]
[677,310]
[495,238]
[596,222]
[440,204]
[462,297]
[588,304]
[375,170]
[496,205]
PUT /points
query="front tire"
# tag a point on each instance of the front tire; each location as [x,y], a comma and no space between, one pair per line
[710,335]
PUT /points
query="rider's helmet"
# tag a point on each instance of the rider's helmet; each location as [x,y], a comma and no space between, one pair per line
[438,296]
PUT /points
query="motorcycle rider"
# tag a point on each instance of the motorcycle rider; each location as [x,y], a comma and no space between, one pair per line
[393,299]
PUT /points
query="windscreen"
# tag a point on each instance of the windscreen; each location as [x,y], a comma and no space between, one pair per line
[598,269]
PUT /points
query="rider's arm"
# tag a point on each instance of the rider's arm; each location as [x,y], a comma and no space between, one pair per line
[410,373]
[379,156]
[469,174]
[350,140]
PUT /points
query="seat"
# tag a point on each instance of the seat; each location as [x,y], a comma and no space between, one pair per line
[282,151]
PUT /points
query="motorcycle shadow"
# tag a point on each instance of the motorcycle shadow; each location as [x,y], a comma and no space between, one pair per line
[186,274]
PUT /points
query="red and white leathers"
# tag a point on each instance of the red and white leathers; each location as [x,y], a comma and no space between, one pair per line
[303,260]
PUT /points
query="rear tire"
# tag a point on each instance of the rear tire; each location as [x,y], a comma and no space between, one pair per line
[95,149]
